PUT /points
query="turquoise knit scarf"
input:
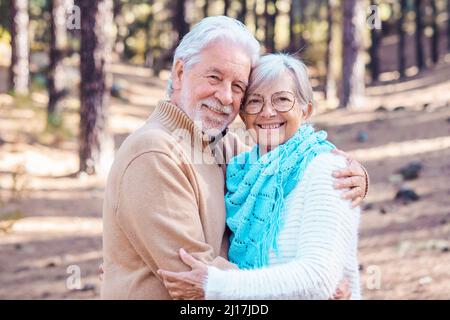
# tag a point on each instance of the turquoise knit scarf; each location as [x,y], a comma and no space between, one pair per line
[257,187]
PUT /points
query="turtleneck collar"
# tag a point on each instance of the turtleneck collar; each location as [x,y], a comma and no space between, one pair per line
[174,118]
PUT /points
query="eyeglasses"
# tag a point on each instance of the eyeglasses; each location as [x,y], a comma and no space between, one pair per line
[282,101]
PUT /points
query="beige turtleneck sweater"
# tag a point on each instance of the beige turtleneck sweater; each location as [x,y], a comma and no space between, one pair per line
[165,191]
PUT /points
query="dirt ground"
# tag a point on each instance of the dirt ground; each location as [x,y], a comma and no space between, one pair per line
[50,226]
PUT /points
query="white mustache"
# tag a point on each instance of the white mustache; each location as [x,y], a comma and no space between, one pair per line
[213,104]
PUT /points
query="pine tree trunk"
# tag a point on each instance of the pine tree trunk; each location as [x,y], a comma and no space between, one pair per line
[255,15]
[353,63]
[19,68]
[401,39]
[330,84]
[58,46]
[243,12]
[292,26]
[226,7]
[205,8]
[148,37]
[435,37]
[181,25]
[374,58]
[448,25]
[270,14]
[95,151]
[419,35]
[122,29]
[302,22]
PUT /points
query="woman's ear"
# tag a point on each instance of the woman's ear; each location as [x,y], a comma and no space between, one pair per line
[308,112]
[177,74]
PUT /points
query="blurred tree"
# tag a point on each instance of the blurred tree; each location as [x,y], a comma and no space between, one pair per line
[270,16]
[58,46]
[179,21]
[226,7]
[401,38]
[95,147]
[256,16]
[419,35]
[148,54]
[330,83]
[435,37]
[448,25]
[373,50]
[352,58]
[292,26]
[4,16]
[19,68]
[243,12]
[205,8]
[122,30]
[302,23]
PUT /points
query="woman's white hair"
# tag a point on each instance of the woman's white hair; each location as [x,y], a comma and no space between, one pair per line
[270,67]
[206,32]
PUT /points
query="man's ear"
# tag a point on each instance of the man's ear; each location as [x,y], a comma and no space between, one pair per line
[177,74]
[308,112]
[242,115]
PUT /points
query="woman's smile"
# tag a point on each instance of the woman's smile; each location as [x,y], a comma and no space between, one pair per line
[271,126]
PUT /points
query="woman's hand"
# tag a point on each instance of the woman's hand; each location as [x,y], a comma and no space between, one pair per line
[354,177]
[186,285]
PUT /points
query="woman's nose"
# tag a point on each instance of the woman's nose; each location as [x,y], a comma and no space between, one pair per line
[268,110]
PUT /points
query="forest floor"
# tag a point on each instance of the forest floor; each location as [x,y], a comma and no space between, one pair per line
[51,225]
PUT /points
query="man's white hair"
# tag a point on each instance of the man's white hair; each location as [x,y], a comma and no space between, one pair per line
[270,67]
[206,32]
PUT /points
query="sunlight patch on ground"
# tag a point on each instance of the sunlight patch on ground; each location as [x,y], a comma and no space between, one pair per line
[71,225]
[125,124]
[41,161]
[401,149]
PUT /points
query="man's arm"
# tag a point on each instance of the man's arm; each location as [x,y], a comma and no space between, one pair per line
[158,212]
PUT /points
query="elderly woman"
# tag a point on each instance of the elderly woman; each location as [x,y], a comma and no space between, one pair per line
[293,236]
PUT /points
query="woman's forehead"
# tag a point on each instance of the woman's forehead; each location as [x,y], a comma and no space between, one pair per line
[281,82]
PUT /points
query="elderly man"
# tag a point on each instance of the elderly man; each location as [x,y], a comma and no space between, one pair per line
[166,186]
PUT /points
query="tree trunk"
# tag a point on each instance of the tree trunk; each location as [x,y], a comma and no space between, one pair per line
[293,10]
[58,46]
[401,39]
[243,12]
[255,15]
[374,58]
[448,25]
[330,83]
[435,37]
[122,29]
[205,8]
[148,56]
[96,145]
[19,68]
[270,14]
[302,23]
[226,7]
[353,63]
[419,35]
[181,25]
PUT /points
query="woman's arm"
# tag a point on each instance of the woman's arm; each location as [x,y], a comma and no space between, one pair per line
[328,232]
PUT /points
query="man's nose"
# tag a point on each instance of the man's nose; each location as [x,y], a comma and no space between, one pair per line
[225,94]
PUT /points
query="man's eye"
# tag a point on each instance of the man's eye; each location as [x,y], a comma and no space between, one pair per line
[213,77]
[239,88]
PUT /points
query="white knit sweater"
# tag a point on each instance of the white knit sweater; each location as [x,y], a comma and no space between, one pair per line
[317,246]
